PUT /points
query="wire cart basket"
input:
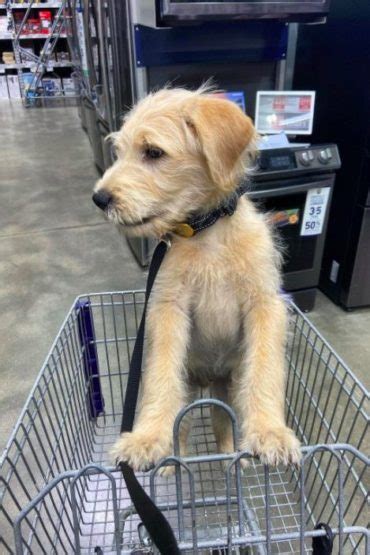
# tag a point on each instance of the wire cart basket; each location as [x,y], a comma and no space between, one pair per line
[59,492]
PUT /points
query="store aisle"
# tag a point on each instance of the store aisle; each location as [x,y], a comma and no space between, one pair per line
[347,332]
[54,243]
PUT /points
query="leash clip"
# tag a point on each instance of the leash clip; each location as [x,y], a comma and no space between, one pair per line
[167,239]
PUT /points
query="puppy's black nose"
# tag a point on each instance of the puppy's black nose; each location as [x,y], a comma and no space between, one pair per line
[102,199]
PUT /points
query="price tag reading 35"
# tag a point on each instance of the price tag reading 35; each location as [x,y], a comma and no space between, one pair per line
[314,211]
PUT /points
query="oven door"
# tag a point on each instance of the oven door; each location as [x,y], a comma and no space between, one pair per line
[178,11]
[285,202]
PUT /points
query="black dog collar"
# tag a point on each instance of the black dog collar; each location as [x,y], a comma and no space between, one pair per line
[202,221]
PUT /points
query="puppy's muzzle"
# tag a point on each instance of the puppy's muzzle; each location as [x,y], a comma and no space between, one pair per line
[102,199]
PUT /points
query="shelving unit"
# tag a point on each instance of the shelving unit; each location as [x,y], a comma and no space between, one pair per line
[25,65]
[24,6]
[33,35]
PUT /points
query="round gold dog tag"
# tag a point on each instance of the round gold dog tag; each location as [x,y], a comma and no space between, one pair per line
[185,230]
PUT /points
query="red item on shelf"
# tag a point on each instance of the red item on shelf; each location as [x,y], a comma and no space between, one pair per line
[18,17]
[32,26]
[45,21]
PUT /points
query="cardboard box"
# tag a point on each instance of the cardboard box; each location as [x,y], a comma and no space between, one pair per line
[3,87]
[13,86]
[8,58]
[69,86]
[4,25]
[24,57]
[52,86]
[28,79]
[63,56]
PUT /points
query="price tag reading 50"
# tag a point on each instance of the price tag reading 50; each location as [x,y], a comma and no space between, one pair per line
[314,211]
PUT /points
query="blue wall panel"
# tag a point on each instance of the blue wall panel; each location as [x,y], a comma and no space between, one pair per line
[214,42]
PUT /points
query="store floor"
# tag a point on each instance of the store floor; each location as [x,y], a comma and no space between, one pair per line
[55,245]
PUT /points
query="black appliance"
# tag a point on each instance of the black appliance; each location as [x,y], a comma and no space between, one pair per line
[175,11]
[285,180]
[334,60]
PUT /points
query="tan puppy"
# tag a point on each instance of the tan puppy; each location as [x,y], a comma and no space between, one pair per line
[216,316]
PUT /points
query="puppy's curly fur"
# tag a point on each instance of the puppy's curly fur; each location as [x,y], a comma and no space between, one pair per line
[216,316]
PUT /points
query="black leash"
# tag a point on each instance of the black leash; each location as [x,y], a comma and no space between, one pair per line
[153,519]
[323,545]
[133,380]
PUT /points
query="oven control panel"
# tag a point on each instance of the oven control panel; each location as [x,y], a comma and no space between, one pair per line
[280,162]
[318,156]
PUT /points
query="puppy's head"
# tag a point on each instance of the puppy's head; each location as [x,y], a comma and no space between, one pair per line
[178,152]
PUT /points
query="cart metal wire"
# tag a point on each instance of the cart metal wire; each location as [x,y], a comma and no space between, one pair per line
[60,493]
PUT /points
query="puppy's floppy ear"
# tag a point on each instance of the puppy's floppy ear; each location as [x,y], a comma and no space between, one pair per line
[224,133]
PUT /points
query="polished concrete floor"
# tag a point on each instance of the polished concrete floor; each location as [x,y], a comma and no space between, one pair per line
[55,245]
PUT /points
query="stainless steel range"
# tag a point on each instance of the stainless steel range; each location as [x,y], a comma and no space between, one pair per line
[294,185]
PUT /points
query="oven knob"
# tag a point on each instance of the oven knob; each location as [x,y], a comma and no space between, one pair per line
[305,158]
[324,157]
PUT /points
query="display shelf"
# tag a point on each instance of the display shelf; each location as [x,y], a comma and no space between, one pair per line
[42,47]
[45,5]
[33,36]
[31,65]
[42,36]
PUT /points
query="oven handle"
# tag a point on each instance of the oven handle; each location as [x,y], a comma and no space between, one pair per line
[284,190]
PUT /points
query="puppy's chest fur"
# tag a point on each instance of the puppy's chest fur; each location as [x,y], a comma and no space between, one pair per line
[216,323]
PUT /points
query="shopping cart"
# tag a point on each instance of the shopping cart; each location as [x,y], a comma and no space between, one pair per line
[61,494]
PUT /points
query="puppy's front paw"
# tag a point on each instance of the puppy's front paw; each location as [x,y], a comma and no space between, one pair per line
[167,471]
[225,445]
[274,446]
[140,450]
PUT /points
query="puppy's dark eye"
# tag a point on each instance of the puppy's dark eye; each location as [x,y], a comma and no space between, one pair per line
[153,153]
